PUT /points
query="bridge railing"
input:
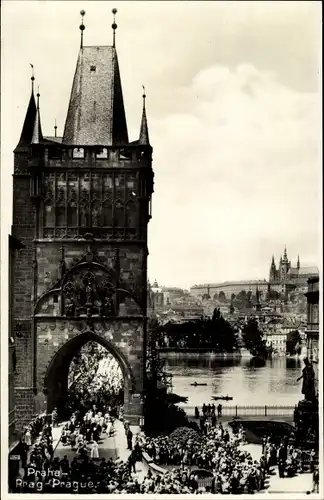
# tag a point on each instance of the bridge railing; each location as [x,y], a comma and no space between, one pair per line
[248,411]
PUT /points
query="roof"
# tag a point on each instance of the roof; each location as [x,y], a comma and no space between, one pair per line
[144,135]
[96,114]
[313,270]
[28,126]
[54,139]
[14,243]
[37,130]
[230,283]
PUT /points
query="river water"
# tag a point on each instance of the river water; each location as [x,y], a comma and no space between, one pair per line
[271,384]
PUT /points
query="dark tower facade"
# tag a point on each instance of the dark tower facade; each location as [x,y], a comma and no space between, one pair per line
[81,207]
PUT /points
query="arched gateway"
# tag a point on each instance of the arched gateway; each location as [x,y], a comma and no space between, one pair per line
[81,206]
[56,377]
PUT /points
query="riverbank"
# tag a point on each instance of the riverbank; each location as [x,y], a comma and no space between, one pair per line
[187,352]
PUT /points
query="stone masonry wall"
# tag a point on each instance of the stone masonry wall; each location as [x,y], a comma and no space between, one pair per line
[21,282]
[49,256]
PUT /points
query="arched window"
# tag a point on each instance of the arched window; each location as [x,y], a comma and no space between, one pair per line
[119,214]
[107,213]
[72,214]
[72,211]
[95,214]
[60,216]
[84,215]
[78,153]
[102,154]
[60,207]
[131,214]
[49,219]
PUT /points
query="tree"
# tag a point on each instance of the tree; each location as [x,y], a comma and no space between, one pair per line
[223,335]
[222,296]
[293,343]
[253,339]
[233,296]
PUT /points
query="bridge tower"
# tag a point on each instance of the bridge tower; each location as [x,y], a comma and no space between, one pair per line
[81,207]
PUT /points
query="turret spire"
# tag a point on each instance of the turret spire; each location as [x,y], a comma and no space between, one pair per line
[298,263]
[55,129]
[82,28]
[37,131]
[285,258]
[144,135]
[28,126]
[114,27]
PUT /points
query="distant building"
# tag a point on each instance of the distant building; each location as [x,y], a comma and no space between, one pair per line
[312,331]
[283,280]
[171,294]
[156,296]
[229,287]
[276,332]
[286,278]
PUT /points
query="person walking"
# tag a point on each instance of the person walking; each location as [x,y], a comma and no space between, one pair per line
[129,440]
[94,452]
[219,410]
[132,461]
[315,481]
[54,417]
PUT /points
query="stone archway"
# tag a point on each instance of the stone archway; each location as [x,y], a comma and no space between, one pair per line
[56,377]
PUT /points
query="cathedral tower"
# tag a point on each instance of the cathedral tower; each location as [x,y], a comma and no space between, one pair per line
[81,207]
[273,270]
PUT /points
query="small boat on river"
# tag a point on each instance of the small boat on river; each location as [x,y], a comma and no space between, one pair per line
[196,384]
[223,398]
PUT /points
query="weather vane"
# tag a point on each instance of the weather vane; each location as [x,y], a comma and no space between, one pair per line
[33,76]
[82,27]
[114,25]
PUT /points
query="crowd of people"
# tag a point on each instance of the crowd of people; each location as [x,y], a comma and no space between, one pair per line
[216,450]
[186,453]
[289,458]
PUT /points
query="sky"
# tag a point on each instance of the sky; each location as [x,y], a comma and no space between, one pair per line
[233,104]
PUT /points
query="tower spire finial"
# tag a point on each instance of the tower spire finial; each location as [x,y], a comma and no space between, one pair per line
[55,129]
[33,76]
[114,26]
[37,130]
[144,135]
[82,27]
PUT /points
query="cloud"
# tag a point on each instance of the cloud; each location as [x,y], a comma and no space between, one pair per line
[242,166]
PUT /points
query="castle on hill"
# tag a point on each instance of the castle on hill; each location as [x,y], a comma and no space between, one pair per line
[297,276]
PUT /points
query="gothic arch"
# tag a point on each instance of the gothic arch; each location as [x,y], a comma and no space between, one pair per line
[83,264]
[55,384]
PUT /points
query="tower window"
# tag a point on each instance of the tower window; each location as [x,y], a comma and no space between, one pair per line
[92,68]
[78,153]
[102,154]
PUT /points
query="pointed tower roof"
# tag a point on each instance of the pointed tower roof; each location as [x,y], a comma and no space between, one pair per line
[285,258]
[28,126]
[144,135]
[37,129]
[96,114]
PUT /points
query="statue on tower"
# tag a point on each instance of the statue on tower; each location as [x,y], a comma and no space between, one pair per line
[308,376]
